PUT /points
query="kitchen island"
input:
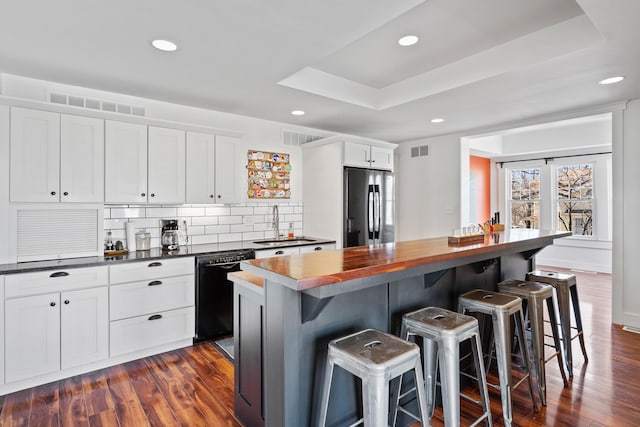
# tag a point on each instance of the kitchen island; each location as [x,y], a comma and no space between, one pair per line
[310,299]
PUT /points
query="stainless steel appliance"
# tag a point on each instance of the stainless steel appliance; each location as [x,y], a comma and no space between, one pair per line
[214,292]
[369,207]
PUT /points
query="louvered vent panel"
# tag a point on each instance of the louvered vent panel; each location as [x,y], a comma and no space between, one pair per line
[95,104]
[420,151]
[56,233]
[297,138]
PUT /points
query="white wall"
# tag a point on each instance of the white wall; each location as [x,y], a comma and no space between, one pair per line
[428,188]
[626,231]
[4,185]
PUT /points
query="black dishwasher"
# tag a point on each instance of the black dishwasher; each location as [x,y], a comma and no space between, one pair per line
[214,293]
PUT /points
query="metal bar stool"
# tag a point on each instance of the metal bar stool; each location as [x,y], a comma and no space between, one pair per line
[567,291]
[442,332]
[501,308]
[534,294]
[376,358]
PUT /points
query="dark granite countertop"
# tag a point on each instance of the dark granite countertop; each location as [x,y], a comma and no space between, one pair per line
[154,253]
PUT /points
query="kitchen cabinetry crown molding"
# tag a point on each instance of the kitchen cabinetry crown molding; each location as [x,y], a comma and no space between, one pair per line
[65,109]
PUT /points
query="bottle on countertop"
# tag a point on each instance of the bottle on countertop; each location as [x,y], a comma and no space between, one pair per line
[290,233]
[109,244]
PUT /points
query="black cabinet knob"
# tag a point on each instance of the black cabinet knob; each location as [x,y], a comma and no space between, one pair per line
[66,301]
[65,193]
[53,193]
[211,195]
[219,196]
[153,195]
[143,194]
[52,304]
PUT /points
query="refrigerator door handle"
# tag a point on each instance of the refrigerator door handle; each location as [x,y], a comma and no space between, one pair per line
[377,203]
[370,212]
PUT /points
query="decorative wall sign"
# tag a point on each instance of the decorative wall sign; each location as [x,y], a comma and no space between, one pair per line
[268,175]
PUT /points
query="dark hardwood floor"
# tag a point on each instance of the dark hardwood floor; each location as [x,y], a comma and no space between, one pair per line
[194,386]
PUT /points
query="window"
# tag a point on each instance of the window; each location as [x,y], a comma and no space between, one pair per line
[524,200]
[574,202]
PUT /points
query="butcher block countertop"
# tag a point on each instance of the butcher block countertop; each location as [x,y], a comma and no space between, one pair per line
[311,271]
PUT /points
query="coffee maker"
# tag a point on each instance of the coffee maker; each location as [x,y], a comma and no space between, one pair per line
[169,238]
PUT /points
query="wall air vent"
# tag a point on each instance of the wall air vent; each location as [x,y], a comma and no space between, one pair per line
[297,138]
[420,151]
[96,104]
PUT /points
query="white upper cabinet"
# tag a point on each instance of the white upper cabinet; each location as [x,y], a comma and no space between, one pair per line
[211,168]
[81,159]
[35,155]
[56,157]
[166,155]
[225,170]
[201,154]
[125,162]
[367,156]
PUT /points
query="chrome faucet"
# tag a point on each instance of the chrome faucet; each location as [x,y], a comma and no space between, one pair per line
[276,221]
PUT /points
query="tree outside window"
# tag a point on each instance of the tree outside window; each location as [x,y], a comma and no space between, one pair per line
[525,198]
[575,199]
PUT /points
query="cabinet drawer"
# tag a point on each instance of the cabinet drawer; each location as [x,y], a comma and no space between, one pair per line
[24,284]
[315,248]
[149,296]
[152,269]
[142,332]
[277,252]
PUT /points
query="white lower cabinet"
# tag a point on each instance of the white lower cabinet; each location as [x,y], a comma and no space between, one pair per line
[151,304]
[142,332]
[32,336]
[49,332]
[266,253]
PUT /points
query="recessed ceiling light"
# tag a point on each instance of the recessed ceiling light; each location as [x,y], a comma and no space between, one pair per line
[297,113]
[611,80]
[437,120]
[408,40]
[165,45]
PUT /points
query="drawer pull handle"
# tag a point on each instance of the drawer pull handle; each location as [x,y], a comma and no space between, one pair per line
[155,283]
[318,248]
[155,317]
[155,264]
[279,252]
[59,274]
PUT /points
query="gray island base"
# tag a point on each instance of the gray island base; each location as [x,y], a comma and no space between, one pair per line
[282,330]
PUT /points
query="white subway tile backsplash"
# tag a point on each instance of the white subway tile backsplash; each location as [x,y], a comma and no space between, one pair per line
[216,229]
[236,219]
[229,237]
[161,213]
[255,235]
[212,224]
[191,212]
[241,210]
[218,211]
[205,239]
[114,224]
[127,212]
[241,228]
[204,220]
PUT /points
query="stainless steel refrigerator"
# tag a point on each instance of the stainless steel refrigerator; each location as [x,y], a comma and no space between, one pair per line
[369,211]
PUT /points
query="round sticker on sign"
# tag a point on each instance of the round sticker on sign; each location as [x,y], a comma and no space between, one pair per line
[288,167]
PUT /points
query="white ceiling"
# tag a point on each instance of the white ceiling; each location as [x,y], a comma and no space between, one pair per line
[477,64]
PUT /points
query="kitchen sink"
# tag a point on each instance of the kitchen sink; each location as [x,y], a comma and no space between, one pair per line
[279,242]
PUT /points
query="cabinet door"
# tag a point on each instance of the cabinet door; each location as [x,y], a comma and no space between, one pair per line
[225,170]
[200,168]
[381,158]
[84,336]
[81,159]
[166,165]
[35,155]
[125,162]
[267,253]
[356,154]
[32,336]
